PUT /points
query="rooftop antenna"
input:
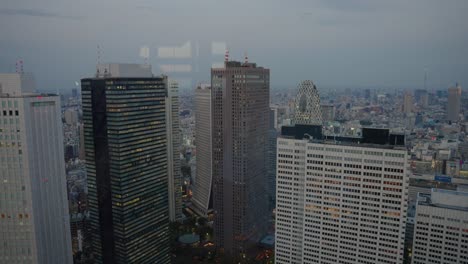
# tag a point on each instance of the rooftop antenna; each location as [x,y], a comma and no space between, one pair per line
[246,58]
[144,52]
[425,78]
[21,67]
[226,56]
[98,60]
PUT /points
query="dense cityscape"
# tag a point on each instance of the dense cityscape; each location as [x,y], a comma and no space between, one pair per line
[145,163]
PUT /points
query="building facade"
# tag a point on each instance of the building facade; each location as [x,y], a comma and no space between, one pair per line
[340,202]
[34,220]
[271,160]
[202,191]
[124,117]
[240,111]
[441,228]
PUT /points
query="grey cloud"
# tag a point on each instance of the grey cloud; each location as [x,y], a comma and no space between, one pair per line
[35,13]
[350,5]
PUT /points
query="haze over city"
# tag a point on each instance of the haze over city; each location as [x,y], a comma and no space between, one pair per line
[358,43]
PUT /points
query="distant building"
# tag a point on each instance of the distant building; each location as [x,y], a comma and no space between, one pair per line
[74,92]
[463,150]
[422,98]
[339,199]
[34,220]
[367,94]
[240,115]
[124,116]
[407,103]
[202,198]
[328,112]
[410,121]
[274,117]
[453,105]
[441,228]
[71,116]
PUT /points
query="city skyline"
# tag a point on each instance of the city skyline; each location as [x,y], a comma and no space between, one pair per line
[308,131]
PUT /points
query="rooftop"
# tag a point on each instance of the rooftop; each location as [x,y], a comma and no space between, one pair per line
[449,199]
[122,70]
[371,137]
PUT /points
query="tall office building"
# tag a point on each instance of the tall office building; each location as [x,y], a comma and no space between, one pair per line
[453,104]
[340,202]
[173,151]
[441,228]
[34,219]
[124,117]
[307,105]
[407,103]
[240,110]
[202,191]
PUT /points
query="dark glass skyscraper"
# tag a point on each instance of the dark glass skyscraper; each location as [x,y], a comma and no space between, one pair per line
[126,162]
[240,117]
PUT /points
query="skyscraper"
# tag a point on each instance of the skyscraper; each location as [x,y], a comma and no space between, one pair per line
[202,191]
[173,151]
[340,202]
[124,116]
[453,105]
[240,110]
[307,105]
[34,220]
[440,228]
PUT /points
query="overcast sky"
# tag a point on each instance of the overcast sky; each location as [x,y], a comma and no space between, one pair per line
[367,43]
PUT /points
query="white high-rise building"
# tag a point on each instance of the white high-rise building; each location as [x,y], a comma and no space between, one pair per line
[340,202]
[203,182]
[441,228]
[173,151]
[34,219]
